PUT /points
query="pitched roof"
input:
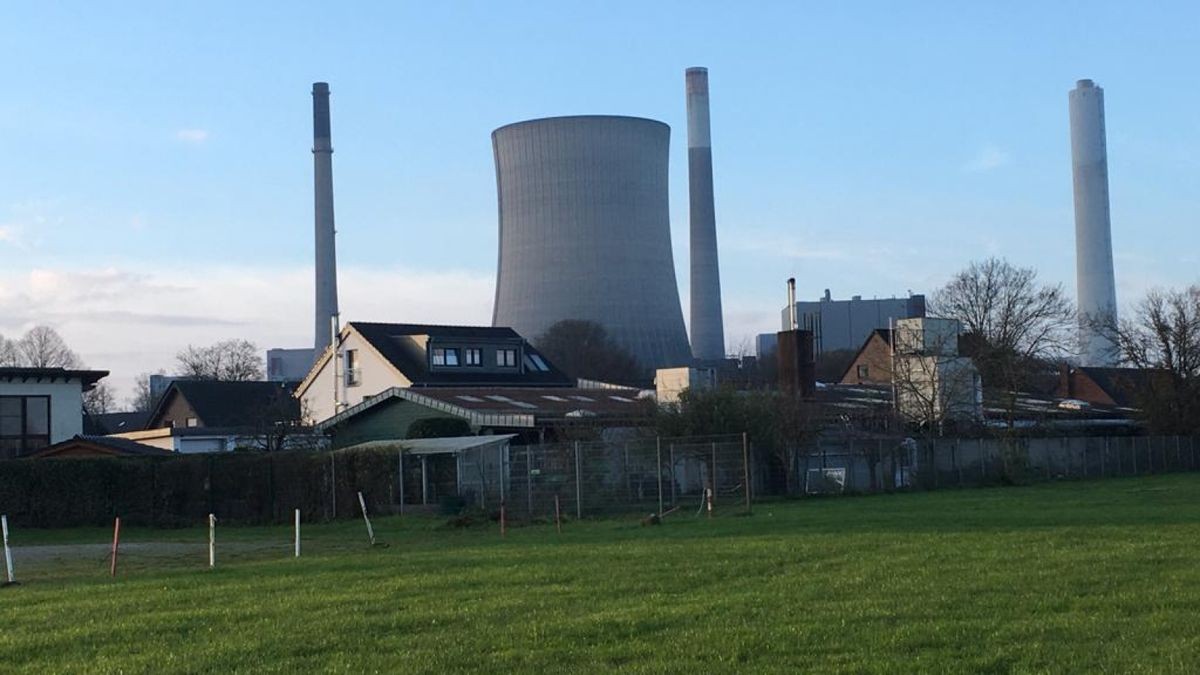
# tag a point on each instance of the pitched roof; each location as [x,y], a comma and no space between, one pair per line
[114,423]
[230,404]
[388,340]
[102,446]
[509,406]
[1121,384]
[884,334]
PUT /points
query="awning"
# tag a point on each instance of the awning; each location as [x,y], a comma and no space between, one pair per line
[436,446]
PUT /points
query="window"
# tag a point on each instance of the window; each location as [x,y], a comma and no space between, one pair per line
[353,371]
[473,357]
[538,363]
[24,424]
[863,372]
[192,422]
[445,356]
[506,358]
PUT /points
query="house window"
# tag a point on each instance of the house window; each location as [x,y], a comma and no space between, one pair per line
[445,356]
[506,358]
[863,372]
[473,357]
[353,372]
[192,422]
[24,424]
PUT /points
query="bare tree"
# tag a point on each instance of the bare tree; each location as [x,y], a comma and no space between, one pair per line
[99,400]
[143,398]
[1163,338]
[9,354]
[583,349]
[43,347]
[229,360]
[1015,326]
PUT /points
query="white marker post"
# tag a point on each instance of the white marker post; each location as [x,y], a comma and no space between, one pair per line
[212,541]
[297,533]
[370,530]
[7,552]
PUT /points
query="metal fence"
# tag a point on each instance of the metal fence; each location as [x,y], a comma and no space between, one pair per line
[870,465]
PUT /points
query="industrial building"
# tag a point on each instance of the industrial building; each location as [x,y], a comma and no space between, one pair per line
[585,232]
[1096,284]
[845,324]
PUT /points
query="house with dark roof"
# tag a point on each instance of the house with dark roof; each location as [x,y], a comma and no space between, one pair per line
[214,416]
[533,414]
[1117,387]
[41,406]
[369,358]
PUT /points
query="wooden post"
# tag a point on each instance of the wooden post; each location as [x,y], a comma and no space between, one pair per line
[503,520]
[557,514]
[671,470]
[709,496]
[746,468]
[112,571]
[658,454]
[212,541]
[333,483]
[578,486]
[8,566]
[297,533]
[713,477]
[362,503]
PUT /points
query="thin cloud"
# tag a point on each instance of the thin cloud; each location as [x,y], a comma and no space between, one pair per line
[988,158]
[193,136]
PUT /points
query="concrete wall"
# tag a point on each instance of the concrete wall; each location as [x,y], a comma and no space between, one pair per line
[585,232]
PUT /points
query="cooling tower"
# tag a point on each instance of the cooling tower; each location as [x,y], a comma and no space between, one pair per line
[1093,231]
[585,232]
[708,331]
[326,305]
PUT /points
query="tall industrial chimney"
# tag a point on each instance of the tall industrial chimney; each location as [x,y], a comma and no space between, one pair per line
[1093,230]
[326,306]
[708,330]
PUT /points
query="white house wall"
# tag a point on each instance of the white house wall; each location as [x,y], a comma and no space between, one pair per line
[66,404]
[375,375]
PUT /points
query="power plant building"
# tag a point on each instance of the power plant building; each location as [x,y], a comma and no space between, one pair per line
[1096,285]
[846,324]
[585,232]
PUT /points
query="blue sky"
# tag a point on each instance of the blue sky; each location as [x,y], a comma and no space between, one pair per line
[155,186]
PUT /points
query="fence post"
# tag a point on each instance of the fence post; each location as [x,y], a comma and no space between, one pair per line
[1178,455]
[1133,446]
[400,477]
[578,486]
[333,483]
[982,462]
[713,478]
[658,454]
[671,470]
[212,542]
[8,566]
[625,467]
[297,533]
[1192,451]
[529,481]
[954,459]
[115,545]
[746,469]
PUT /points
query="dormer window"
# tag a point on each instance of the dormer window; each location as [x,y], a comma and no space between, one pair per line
[445,356]
[506,358]
[473,357]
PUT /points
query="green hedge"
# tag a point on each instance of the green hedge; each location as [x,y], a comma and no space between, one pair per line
[252,488]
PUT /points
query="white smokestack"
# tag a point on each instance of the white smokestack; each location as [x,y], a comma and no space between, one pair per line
[708,329]
[1093,230]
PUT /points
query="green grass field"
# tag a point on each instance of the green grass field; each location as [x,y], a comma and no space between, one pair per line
[1088,576]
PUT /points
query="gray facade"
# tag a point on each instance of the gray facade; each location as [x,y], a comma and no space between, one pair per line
[1096,286]
[708,329]
[289,365]
[585,232]
[326,301]
[846,324]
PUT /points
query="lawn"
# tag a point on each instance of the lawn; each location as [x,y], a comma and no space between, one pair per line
[1082,576]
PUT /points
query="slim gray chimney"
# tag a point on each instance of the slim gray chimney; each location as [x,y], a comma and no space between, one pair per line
[326,306]
[793,324]
[1094,277]
[708,330]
